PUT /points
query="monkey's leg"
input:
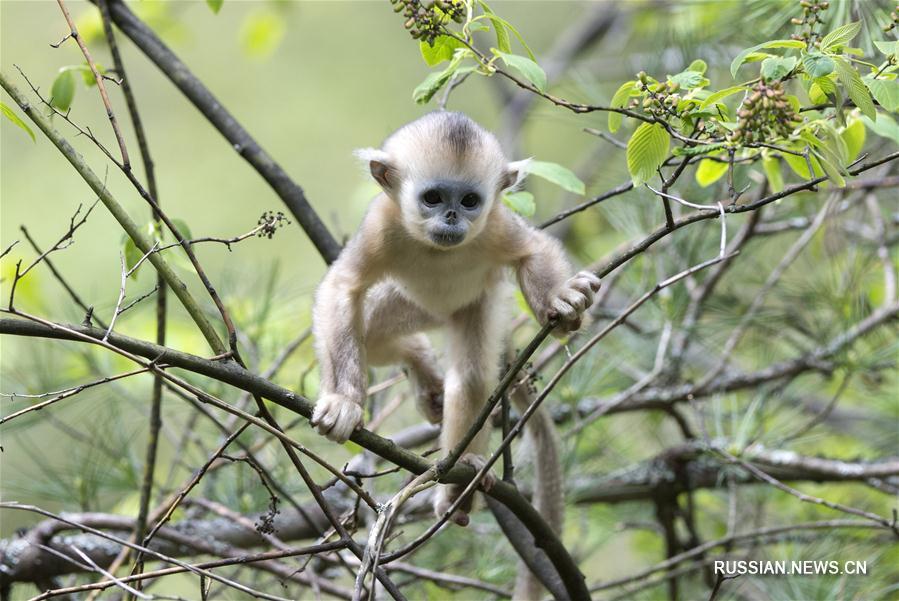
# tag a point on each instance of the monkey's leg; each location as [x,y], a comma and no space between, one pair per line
[473,346]
[390,317]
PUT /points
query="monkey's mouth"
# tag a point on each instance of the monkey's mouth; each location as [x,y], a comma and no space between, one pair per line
[447,235]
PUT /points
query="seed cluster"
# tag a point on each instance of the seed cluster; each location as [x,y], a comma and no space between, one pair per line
[765,115]
[660,99]
[811,18]
[425,18]
[270,222]
[894,20]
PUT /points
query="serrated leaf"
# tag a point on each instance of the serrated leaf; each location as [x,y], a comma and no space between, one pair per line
[688,79]
[855,87]
[215,5]
[9,114]
[841,35]
[63,91]
[619,100]
[884,126]
[772,170]
[721,95]
[817,64]
[708,172]
[528,68]
[885,91]
[442,50]
[741,58]
[557,174]
[854,137]
[777,67]
[646,150]
[521,202]
[689,151]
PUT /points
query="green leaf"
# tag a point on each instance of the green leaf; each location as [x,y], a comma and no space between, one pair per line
[855,87]
[854,137]
[215,5]
[709,172]
[886,92]
[690,151]
[721,95]
[841,35]
[183,228]
[528,68]
[821,90]
[646,150]
[9,114]
[503,42]
[619,100]
[888,48]
[741,58]
[557,174]
[521,202]
[261,33]
[132,254]
[817,64]
[830,169]
[884,126]
[800,166]
[698,65]
[772,171]
[494,18]
[423,93]
[688,79]
[442,50]
[63,91]
[777,67]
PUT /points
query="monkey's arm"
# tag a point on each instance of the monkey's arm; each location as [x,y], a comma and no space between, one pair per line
[337,324]
[544,275]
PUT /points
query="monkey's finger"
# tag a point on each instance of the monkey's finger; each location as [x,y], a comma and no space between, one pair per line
[575,298]
[591,278]
[564,310]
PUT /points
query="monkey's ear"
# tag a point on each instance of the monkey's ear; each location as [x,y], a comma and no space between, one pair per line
[516,171]
[380,167]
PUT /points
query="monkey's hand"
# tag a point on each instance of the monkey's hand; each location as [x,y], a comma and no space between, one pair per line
[568,303]
[336,417]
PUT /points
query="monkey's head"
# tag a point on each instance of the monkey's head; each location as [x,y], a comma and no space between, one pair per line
[446,173]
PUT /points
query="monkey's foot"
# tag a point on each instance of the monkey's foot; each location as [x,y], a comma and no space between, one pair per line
[336,417]
[447,495]
[571,300]
[478,462]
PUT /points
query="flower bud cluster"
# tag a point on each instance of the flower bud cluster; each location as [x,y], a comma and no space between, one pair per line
[811,17]
[765,115]
[660,98]
[425,18]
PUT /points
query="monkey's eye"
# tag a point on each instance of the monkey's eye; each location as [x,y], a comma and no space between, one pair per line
[431,198]
[471,200]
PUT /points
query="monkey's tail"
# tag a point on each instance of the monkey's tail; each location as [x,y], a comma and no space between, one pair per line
[548,491]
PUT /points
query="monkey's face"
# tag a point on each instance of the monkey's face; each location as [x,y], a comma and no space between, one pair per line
[448,211]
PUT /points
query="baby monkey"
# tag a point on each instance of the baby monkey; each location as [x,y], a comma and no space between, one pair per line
[432,252]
